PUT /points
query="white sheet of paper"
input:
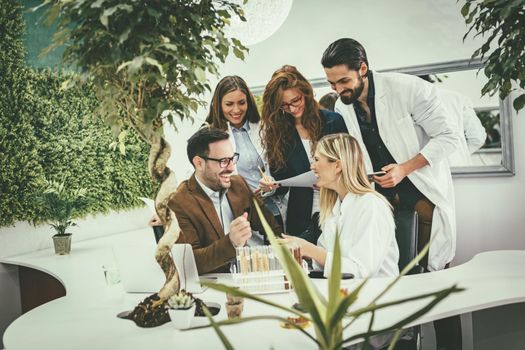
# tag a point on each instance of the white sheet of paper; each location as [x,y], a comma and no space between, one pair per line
[307,179]
[150,203]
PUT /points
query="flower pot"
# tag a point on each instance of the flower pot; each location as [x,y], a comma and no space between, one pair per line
[181,318]
[62,244]
[234,310]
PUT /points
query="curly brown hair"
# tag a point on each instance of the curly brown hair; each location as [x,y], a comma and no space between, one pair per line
[228,84]
[277,126]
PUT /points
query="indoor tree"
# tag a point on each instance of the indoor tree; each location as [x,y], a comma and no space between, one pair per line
[148,62]
[502,24]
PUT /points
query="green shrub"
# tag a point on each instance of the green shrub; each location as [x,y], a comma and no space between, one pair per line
[49,133]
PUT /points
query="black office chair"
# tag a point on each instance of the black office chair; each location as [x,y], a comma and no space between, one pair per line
[407,236]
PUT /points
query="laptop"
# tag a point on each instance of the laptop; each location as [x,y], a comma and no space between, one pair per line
[140,273]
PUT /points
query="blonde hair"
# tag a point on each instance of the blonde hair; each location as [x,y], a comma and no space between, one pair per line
[344,148]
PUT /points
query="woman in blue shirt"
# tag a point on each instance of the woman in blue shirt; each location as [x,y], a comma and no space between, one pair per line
[234,110]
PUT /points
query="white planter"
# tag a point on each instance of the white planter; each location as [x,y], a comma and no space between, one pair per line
[181,318]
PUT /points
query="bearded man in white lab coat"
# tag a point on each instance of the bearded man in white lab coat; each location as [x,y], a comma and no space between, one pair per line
[404,130]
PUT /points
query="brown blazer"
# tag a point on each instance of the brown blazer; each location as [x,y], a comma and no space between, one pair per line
[201,227]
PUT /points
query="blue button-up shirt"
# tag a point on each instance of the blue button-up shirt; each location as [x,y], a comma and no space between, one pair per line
[249,159]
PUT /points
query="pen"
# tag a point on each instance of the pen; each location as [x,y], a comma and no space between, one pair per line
[265,178]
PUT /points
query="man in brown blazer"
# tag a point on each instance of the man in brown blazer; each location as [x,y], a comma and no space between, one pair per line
[215,208]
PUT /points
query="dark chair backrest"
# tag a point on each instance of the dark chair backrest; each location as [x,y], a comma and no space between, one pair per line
[406,236]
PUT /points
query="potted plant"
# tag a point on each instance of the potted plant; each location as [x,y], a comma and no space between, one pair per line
[181,309]
[60,205]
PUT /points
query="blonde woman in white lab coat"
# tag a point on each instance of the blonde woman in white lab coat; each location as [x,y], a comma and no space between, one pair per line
[350,207]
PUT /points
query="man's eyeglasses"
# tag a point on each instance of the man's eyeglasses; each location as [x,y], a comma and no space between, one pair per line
[224,162]
[295,102]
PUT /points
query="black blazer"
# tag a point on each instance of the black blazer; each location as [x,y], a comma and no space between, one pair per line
[301,198]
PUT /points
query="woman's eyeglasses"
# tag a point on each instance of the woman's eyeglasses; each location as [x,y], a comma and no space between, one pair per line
[224,162]
[295,102]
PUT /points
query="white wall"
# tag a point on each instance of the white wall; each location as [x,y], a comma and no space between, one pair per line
[23,237]
[490,210]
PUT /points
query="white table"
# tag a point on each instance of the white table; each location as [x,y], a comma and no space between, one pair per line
[86,317]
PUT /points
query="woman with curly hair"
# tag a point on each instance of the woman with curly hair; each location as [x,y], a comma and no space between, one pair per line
[292,123]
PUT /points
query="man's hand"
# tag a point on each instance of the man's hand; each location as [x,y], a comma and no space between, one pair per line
[155,221]
[395,173]
[240,231]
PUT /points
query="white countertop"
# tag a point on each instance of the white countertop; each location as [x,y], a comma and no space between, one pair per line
[86,317]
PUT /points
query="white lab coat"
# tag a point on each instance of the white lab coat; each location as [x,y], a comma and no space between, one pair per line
[367,238]
[412,120]
[472,134]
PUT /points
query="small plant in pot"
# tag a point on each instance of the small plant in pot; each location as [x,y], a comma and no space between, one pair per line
[181,309]
[61,204]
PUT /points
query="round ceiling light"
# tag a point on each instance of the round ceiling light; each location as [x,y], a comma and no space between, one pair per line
[263,19]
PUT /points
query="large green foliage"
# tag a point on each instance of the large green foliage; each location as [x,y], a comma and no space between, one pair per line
[47,133]
[500,21]
[17,139]
[144,57]
[51,134]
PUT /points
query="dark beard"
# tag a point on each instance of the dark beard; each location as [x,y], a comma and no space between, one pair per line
[348,100]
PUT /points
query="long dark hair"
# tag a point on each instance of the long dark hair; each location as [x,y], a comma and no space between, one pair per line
[228,84]
[277,126]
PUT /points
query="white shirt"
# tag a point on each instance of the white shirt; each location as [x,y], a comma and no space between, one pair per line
[366,235]
[225,214]
[220,202]
[308,150]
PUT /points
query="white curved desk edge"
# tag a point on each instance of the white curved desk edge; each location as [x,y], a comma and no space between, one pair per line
[491,279]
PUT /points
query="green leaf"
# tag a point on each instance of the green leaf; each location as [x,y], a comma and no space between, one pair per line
[334,280]
[238,292]
[52,15]
[238,53]
[154,62]
[345,303]
[133,66]
[309,297]
[519,102]
[465,9]
[224,340]
[124,36]
[97,4]
[122,136]
[200,74]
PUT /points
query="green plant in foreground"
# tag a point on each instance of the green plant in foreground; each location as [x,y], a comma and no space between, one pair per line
[327,314]
[61,204]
